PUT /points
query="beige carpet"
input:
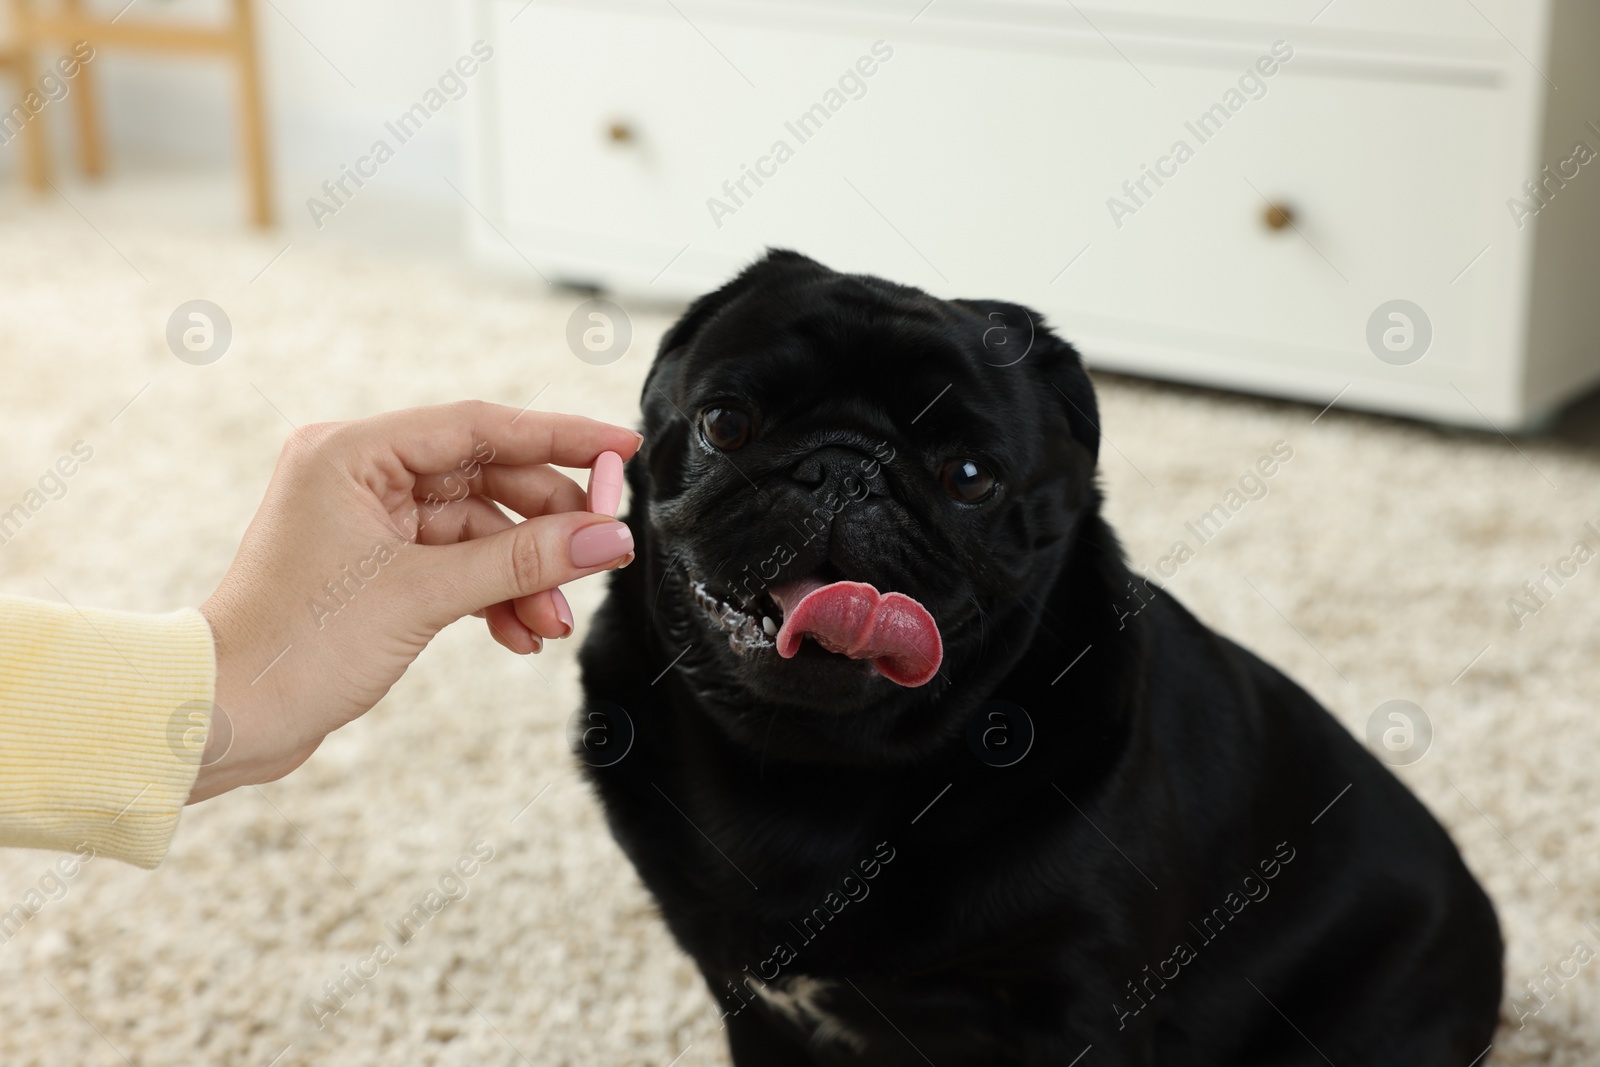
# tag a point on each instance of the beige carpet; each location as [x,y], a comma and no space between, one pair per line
[1378,566]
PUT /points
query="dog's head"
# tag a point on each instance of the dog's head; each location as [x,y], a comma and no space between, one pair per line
[853,495]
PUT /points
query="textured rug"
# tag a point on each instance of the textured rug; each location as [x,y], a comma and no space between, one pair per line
[1377,563]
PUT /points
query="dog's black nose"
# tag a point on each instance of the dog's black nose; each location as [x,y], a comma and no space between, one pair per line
[842,470]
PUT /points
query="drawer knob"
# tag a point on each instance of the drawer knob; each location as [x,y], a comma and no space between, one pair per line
[1278,216]
[621,132]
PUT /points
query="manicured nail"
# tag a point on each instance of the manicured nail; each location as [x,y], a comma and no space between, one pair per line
[601,543]
[538,645]
[563,610]
[605,484]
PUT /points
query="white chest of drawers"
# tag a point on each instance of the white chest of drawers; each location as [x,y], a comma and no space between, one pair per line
[1119,166]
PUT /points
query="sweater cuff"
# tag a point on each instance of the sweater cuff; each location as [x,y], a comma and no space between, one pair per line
[103,718]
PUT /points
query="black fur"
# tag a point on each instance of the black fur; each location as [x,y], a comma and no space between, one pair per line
[810,828]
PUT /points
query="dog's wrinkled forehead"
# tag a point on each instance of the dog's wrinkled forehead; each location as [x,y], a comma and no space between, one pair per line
[790,335]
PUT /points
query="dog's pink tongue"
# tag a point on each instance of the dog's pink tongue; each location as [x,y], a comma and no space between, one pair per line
[853,619]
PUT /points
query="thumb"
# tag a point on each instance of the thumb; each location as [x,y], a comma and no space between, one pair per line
[532,556]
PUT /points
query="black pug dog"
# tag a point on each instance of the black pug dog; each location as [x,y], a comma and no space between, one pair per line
[918,773]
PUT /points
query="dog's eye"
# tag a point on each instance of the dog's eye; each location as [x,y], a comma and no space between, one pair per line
[967,481]
[726,429]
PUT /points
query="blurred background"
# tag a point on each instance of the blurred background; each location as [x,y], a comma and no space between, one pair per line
[1247,194]
[1362,232]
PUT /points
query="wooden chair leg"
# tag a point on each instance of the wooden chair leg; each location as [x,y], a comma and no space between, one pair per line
[252,121]
[86,106]
[35,147]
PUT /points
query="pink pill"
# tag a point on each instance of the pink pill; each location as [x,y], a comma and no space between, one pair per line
[605,484]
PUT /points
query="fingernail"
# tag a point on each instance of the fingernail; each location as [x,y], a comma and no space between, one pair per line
[563,610]
[601,543]
[538,645]
[605,484]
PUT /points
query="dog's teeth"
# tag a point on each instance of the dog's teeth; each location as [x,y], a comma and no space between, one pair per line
[770,627]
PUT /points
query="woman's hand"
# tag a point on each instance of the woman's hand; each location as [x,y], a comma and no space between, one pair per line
[373,537]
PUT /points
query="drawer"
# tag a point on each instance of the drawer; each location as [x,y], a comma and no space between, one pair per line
[1394,189]
[1391,191]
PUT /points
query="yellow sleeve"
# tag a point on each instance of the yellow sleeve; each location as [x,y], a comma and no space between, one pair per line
[103,716]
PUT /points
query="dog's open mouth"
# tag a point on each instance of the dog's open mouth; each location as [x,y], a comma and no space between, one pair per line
[892,631]
[750,628]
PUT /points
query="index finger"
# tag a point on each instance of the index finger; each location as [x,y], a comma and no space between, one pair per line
[432,440]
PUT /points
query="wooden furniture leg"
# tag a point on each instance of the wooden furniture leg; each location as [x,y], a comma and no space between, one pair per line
[35,149]
[86,106]
[252,121]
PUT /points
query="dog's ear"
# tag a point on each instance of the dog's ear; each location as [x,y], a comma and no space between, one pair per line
[776,263]
[1018,338]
